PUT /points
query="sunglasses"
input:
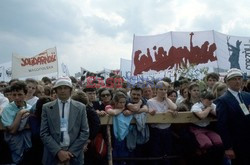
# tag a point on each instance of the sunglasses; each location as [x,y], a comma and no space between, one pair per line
[105,95]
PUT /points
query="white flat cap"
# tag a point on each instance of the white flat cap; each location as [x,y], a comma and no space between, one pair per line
[234,72]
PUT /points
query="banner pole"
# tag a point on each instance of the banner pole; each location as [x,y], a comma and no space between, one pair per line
[57,63]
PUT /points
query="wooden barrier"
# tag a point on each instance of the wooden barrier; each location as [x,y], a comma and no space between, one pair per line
[181,117]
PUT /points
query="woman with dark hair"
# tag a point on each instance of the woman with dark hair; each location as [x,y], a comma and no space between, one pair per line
[193,97]
[105,98]
[172,95]
[36,152]
[185,141]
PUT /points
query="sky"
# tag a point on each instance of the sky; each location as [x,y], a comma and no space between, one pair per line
[95,34]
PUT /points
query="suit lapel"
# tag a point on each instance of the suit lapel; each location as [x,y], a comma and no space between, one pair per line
[55,116]
[232,101]
[73,113]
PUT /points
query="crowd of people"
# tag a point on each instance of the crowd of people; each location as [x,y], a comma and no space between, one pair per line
[58,121]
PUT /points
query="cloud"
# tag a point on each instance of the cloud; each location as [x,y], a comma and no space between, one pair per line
[96,34]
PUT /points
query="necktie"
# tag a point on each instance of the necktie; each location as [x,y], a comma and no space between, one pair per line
[63,105]
[240,97]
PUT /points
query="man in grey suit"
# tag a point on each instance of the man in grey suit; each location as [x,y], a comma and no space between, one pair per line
[64,127]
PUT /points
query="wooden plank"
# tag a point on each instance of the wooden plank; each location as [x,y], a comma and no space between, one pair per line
[182,117]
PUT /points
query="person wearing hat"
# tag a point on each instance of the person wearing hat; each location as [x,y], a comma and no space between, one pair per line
[64,127]
[232,110]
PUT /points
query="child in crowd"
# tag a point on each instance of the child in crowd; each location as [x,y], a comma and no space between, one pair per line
[119,102]
[119,142]
[205,137]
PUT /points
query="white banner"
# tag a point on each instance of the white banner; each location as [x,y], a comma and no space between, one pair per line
[41,64]
[5,71]
[172,52]
[125,68]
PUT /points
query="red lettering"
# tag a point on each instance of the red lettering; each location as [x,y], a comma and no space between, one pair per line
[23,62]
[40,60]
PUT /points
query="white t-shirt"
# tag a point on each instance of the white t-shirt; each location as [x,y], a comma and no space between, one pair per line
[199,107]
[32,101]
[160,107]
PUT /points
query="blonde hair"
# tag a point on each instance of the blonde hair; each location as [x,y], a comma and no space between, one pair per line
[218,87]
[161,84]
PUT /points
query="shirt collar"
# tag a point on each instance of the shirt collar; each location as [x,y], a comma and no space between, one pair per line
[25,105]
[67,101]
[235,93]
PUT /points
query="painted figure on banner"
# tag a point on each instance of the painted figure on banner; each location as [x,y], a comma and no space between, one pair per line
[234,52]
[175,57]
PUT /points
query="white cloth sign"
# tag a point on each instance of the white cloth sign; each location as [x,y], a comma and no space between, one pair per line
[5,71]
[41,64]
[175,50]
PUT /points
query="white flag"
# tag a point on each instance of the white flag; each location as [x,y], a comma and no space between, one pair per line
[65,69]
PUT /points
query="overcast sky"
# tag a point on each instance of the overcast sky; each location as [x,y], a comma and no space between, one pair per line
[96,33]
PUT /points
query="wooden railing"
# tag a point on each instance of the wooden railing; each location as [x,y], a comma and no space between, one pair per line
[181,117]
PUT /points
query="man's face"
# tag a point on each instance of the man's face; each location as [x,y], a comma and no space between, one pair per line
[135,95]
[63,92]
[18,97]
[235,83]
[147,92]
[210,82]
[91,95]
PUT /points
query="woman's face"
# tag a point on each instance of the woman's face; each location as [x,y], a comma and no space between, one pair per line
[194,92]
[185,93]
[121,103]
[161,92]
[173,97]
[31,88]
[53,95]
[105,96]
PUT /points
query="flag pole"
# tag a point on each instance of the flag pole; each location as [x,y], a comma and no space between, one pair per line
[57,63]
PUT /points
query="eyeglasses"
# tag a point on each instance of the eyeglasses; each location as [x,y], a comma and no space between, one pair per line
[105,95]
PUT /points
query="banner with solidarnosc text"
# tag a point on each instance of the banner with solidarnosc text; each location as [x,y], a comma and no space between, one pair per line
[44,63]
[172,52]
